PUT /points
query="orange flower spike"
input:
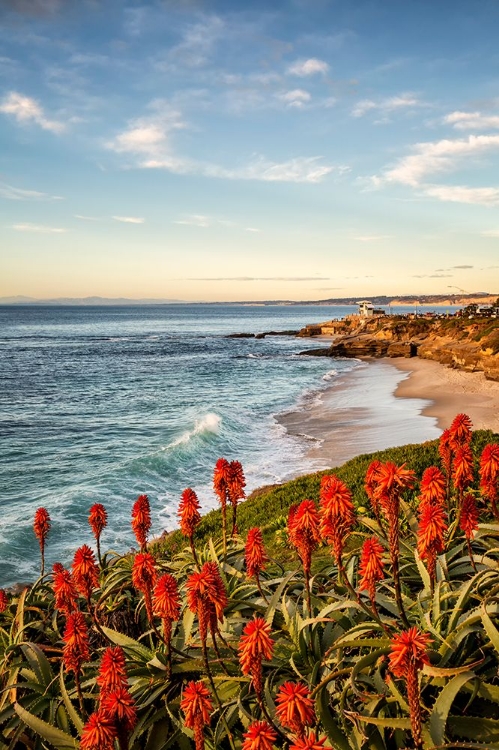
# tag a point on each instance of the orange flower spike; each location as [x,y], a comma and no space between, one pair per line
[188,512]
[236,482]
[75,651]
[97,519]
[166,598]
[41,527]
[4,600]
[460,430]
[370,486]
[295,708]
[337,513]
[371,566]
[255,645]
[221,479]
[206,597]
[254,553]
[66,595]
[408,656]
[119,706]
[310,742]
[468,521]
[141,520]
[144,578]
[197,706]
[98,733]
[391,481]
[259,736]
[112,671]
[85,571]
[489,474]
[431,535]
[433,486]
[462,467]
[445,451]
[305,531]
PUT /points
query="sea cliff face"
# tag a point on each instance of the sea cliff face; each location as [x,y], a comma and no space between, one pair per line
[464,344]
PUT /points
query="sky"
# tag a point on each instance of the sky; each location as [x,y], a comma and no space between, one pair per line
[201,151]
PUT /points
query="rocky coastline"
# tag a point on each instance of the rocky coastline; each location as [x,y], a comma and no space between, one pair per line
[463,344]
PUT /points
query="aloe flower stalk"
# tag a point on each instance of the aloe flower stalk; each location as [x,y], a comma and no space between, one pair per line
[407,658]
[41,527]
[221,479]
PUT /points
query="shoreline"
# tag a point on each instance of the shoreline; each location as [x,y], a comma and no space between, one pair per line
[388,402]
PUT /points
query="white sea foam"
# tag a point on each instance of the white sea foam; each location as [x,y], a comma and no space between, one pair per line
[330,375]
[211,422]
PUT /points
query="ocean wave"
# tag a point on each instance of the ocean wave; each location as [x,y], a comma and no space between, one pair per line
[330,375]
[210,423]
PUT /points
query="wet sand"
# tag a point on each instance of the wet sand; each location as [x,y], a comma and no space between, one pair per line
[389,402]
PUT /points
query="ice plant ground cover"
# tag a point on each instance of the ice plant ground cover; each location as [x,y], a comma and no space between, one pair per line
[357,608]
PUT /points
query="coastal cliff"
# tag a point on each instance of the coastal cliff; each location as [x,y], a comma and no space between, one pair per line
[461,343]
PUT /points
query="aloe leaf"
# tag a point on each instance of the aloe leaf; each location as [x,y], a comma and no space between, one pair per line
[474,728]
[490,628]
[334,733]
[72,713]
[269,616]
[138,649]
[56,737]
[442,706]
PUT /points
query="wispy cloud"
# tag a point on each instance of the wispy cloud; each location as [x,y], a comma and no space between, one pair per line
[27,110]
[197,44]
[295,98]
[388,105]
[372,237]
[471,120]
[438,270]
[432,276]
[38,228]
[261,278]
[87,218]
[310,67]
[490,233]
[205,222]
[129,219]
[19,194]
[149,136]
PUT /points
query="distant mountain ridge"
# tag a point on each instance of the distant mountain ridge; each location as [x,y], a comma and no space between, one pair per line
[383,300]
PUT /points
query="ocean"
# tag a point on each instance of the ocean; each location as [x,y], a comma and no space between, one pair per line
[101,404]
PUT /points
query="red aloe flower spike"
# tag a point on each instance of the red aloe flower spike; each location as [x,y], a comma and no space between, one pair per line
[460,431]
[85,571]
[310,742]
[255,645]
[433,488]
[76,650]
[119,706]
[141,520]
[235,489]
[66,595]
[431,535]
[337,514]
[221,479]
[392,480]
[41,527]
[445,451]
[295,707]
[197,706]
[4,600]
[188,512]
[98,733]
[206,597]
[371,568]
[259,736]
[462,468]
[166,604]
[98,521]
[468,521]
[255,556]
[489,474]
[144,578]
[407,658]
[370,486]
[112,671]
[304,534]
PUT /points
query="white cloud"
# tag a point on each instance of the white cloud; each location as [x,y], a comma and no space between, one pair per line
[308,67]
[87,218]
[490,233]
[37,228]
[295,98]
[471,120]
[197,44]
[26,110]
[386,106]
[129,219]
[19,194]
[149,135]
[372,237]
[482,196]
[204,222]
[438,156]
[251,229]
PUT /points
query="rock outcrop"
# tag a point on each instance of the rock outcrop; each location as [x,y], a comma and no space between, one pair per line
[471,345]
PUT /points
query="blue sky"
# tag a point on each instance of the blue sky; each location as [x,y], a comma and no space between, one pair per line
[248,150]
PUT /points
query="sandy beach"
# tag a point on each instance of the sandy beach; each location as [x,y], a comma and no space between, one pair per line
[383,403]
